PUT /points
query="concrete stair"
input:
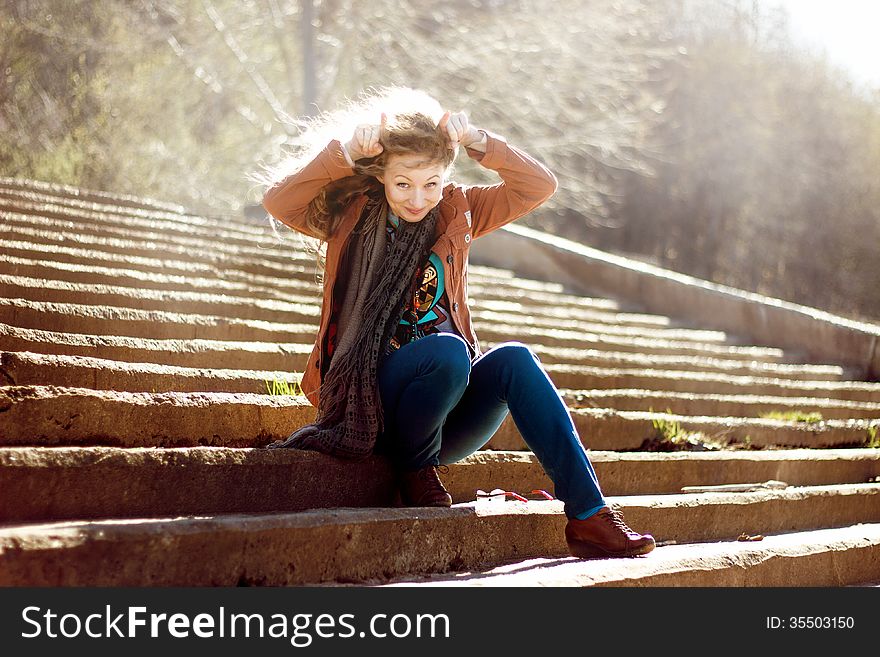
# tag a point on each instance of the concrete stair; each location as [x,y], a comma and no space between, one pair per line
[138,345]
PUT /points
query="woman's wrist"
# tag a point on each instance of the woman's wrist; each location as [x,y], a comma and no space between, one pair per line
[478,140]
[347,153]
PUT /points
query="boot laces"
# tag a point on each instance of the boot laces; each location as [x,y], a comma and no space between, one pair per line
[616,518]
[430,474]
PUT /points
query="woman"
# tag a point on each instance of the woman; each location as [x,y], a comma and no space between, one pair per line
[396,368]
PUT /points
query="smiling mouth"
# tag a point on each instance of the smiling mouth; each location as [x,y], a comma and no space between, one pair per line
[411,211]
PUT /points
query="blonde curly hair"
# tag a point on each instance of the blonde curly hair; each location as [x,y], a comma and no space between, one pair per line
[411,128]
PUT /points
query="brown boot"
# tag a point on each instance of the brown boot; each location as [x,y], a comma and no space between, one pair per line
[605,534]
[423,488]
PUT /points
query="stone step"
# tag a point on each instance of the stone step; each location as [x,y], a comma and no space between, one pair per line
[634,360]
[91,274]
[160,324]
[846,556]
[265,246]
[92,219]
[73,272]
[133,279]
[296,263]
[609,429]
[207,257]
[547,354]
[685,403]
[148,366]
[299,308]
[365,544]
[45,211]
[49,416]
[260,245]
[105,482]
[496,332]
[157,324]
[168,217]
[304,309]
[301,278]
[498,302]
[582,378]
[291,357]
[573,323]
[86,256]
[106,199]
[27,368]
[263,356]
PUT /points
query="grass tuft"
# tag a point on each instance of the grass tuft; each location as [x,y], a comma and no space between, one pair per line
[794,416]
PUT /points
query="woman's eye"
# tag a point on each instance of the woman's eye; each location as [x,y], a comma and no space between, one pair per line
[432,184]
[402,185]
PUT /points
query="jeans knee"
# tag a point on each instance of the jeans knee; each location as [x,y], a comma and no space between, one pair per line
[516,354]
[451,362]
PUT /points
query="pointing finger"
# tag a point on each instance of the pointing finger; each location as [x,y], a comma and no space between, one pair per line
[444,120]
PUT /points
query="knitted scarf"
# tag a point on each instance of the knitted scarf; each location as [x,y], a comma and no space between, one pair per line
[349,408]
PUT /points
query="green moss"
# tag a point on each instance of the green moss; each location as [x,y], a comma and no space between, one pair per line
[873,437]
[794,416]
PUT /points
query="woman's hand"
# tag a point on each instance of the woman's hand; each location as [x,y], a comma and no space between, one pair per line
[459,130]
[366,141]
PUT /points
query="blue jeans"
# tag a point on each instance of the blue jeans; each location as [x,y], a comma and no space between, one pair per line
[439,408]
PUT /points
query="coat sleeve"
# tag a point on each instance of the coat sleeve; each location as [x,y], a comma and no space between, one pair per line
[526,184]
[288,199]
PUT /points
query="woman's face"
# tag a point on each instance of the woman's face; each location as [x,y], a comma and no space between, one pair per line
[411,186]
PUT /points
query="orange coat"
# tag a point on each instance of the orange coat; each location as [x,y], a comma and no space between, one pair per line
[466,213]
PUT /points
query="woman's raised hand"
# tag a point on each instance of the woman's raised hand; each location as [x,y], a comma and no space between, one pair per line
[366,141]
[459,129]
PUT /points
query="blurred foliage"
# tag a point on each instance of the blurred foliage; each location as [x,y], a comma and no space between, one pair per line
[690,133]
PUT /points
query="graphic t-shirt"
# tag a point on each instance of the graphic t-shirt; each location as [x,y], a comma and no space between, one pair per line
[427,312]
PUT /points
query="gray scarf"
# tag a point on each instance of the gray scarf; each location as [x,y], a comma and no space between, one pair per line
[349,407]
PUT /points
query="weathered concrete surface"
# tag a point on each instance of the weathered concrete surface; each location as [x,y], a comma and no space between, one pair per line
[43,211]
[28,369]
[687,403]
[49,415]
[501,300]
[823,336]
[135,358]
[45,415]
[216,255]
[84,255]
[284,356]
[581,377]
[134,322]
[646,473]
[497,332]
[140,369]
[56,190]
[42,484]
[361,544]
[607,429]
[305,309]
[824,557]
[574,322]
[105,482]
[95,274]
[634,360]
[156,324]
